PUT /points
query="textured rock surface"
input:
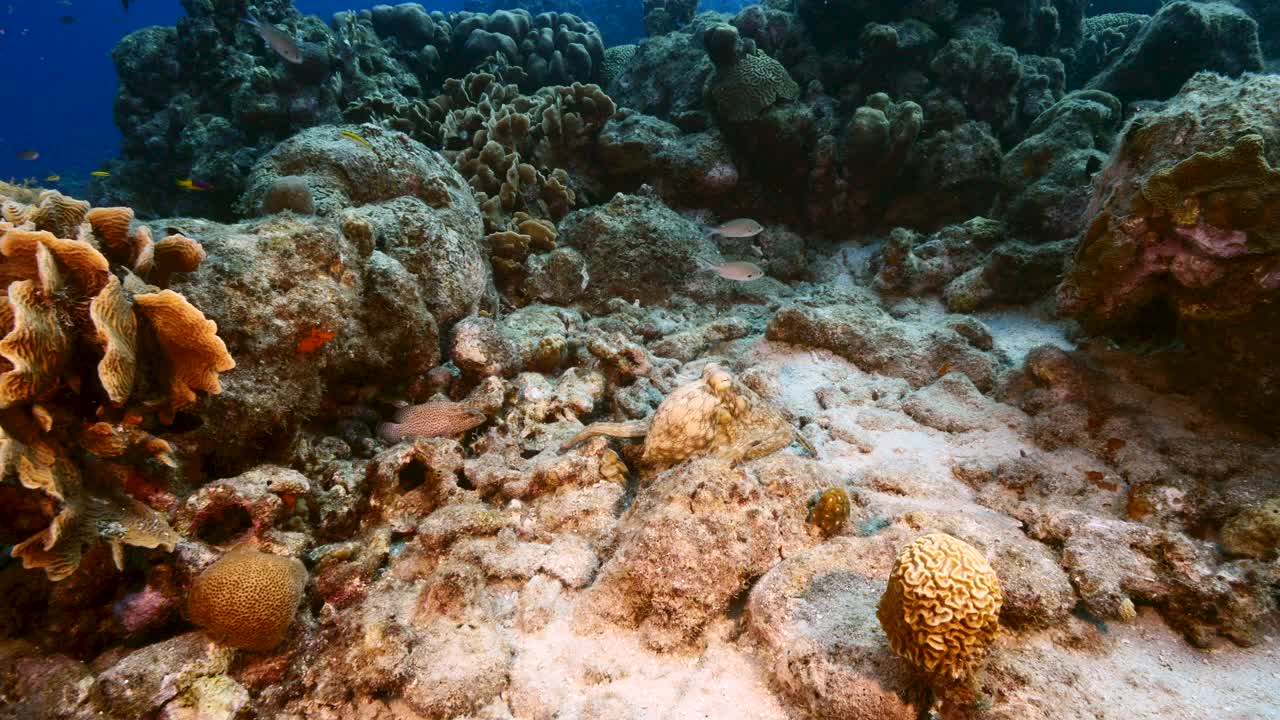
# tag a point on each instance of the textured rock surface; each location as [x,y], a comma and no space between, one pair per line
[636,248]
[1181,233]
[814,613]
[1180,40]
[876,342]
[662,578]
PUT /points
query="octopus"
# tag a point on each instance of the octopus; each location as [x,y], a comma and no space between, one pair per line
[715,415]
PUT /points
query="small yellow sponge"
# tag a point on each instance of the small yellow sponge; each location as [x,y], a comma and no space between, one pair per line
[941,610]
[247,598]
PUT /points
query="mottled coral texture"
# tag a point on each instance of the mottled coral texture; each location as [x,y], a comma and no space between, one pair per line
[247,598]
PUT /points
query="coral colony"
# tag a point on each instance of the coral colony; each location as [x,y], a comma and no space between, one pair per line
[820,359]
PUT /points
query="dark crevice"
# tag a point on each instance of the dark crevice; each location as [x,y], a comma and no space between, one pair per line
[224,524]
[412,475]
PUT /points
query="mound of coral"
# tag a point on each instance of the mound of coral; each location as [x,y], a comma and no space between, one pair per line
[207,97]
[1182,242]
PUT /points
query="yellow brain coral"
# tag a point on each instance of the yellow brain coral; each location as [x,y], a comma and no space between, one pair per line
[247,598]
[941,610]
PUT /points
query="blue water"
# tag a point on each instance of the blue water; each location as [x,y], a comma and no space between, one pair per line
[65,82]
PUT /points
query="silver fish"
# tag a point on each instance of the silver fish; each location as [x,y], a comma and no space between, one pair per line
[279,41]
[738,271]
[738,228]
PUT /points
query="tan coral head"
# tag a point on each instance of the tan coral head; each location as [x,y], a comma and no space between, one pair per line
[941,610]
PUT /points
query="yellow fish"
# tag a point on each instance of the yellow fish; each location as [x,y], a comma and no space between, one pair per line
[194,185]
[53,178]
[100,173]
[353,136]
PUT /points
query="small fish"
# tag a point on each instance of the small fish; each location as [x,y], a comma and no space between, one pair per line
[439,418]
[947,367]
[738,228]
[279,41]
[28,154]
[53,178]
[100,173]
[1115,444]
[194,185]
[353,136]
[67,19]
[739,271]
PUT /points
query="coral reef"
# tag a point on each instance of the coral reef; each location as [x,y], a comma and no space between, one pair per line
[206,98]
[525,159]
[496,446]
[1184,236]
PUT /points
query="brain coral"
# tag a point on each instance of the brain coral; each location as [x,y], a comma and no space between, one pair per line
[942,608]
[714,415]
[247,598]
[746,88]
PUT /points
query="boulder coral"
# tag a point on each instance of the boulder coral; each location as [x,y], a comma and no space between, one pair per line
[247,598]
[418,211]
[1183,38]
[97,363]
[1181,237]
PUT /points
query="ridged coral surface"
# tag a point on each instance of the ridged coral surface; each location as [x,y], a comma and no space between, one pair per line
[749,86]
[247,598]
[942,608]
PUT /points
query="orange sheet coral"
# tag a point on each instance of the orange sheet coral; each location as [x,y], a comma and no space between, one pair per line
[95,360]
